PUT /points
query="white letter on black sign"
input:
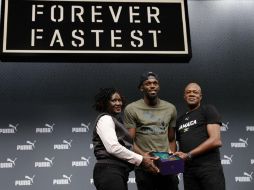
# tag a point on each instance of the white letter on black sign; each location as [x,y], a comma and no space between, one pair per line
[35,12]
[154,33]
[78,14]
[56,38]
[96,13]
[132,14]
[115,16]
[81,32]
[97,36]
[154,15]
[133,44]
[114,38]
[34,36]
[60,19]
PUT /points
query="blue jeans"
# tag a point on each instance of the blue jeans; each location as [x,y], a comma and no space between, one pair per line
[110,177]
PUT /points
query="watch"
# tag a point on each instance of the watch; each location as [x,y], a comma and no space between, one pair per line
[189,156]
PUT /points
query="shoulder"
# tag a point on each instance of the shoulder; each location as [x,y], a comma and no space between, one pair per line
[211,113]
[134,105]
[209,108]
[105,118]
[105,122]
[167,104]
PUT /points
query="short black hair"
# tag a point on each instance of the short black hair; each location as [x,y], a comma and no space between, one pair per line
[103,97]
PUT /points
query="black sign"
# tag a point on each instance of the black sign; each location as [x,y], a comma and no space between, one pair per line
[95,31]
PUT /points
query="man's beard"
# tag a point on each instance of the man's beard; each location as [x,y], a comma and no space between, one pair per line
[151,97]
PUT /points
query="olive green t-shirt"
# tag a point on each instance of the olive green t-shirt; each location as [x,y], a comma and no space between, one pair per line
[151,124]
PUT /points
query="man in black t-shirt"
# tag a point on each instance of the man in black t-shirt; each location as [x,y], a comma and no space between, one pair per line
[198,135]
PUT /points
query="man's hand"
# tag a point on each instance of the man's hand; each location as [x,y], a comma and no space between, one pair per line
[182,155]
[148,165]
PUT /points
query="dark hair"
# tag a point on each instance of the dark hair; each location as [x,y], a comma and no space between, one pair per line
[103,97]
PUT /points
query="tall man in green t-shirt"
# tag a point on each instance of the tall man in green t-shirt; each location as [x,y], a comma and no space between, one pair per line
[151,123]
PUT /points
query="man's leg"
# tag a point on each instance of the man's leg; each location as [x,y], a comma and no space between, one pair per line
[167,182]
[144,180]
[190,180]
[212,177]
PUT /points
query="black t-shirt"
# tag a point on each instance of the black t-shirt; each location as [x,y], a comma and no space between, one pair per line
[191,131]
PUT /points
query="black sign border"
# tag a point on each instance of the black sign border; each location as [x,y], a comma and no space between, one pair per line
[96,57]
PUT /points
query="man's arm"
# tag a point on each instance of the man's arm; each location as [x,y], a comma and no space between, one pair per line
[171,139]
[147,163]
[171,132]
[132,132]
[212,142]
[129,122]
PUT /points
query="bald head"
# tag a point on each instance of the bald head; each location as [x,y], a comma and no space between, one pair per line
[193,85]
[193,95]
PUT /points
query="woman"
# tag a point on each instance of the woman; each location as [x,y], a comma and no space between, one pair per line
[112,144]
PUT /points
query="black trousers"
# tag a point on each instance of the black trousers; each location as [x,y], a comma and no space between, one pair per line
[110,177]
[148,181]
[208,177]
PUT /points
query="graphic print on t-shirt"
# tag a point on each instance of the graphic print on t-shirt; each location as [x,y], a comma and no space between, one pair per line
[186,126]
[155,124]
